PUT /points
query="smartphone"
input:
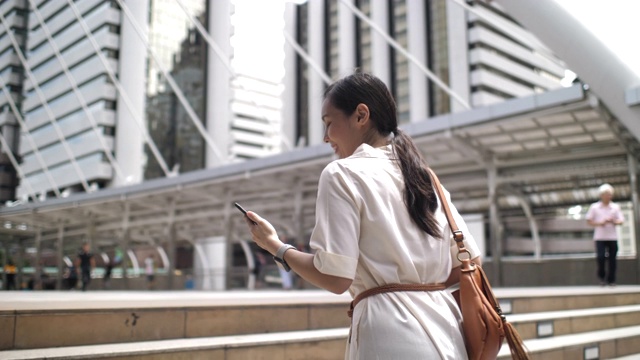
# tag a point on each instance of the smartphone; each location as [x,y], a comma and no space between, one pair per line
[240,208]
[243,211]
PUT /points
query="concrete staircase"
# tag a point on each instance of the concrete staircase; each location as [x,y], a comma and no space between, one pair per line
[556,323]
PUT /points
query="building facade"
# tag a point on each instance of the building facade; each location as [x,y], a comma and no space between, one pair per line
[113,92]
[13,32]
[482,54]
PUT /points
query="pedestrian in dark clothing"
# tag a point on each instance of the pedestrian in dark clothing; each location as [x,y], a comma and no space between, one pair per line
[10,270]
[85,263]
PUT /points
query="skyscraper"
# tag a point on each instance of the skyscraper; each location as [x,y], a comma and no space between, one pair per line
[113,92]
[481,61]
[12,35]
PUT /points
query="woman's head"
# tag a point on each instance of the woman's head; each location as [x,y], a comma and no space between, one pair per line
[357,109]
[360,109]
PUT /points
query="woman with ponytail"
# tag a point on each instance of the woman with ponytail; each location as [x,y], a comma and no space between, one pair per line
[380,232]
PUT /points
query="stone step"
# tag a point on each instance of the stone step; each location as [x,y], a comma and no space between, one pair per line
[136,317]
[628,357]
[52,319]
[601,344]
[543,299]
[324,344]
[554,323]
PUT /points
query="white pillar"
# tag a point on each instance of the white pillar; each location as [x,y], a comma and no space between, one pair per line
[475,225]
[129,146]
[218,117]
[458,46]
[346,40]
[380,52]
[316,33]
[210,267]
[289,116]
[417,46]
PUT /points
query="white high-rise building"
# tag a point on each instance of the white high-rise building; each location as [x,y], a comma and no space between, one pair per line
[113,92]
[481,61]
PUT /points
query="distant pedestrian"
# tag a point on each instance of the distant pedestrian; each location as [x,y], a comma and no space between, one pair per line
[85,263]
[605,215]
[106,279]
[71,277]
[149,270]
[259,269]
[10,270]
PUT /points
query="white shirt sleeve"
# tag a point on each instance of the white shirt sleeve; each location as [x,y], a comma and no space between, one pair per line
[337,230]
[469,241]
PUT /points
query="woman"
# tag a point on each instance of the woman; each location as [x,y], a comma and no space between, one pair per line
[379,222]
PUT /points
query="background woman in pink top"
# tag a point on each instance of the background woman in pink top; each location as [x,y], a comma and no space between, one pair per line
[604,216]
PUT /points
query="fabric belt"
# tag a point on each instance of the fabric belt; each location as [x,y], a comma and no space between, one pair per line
[392,288]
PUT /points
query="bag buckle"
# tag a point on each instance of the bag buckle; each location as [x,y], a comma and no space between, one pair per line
[458,236]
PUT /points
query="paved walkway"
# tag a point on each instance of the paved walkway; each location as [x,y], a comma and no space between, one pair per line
[51,300]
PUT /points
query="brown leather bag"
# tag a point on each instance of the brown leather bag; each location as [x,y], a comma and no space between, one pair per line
[483,324]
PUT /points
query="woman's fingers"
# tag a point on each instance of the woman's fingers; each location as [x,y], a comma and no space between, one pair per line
[254,217]
[262,232]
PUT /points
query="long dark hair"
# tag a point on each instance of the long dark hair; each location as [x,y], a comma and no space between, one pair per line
[419,196]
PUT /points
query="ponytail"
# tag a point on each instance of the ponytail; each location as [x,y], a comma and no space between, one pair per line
[419,195]
[362,88]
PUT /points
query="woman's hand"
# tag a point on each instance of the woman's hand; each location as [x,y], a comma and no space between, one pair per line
[263,233]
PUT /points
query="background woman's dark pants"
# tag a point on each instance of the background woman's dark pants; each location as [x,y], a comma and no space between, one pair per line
[86,278]
[607,249]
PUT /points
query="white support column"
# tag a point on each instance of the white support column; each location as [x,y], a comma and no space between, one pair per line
[634,183]
[37,283]
[210,274]
[533,226]
[346,40]
[458,55]
[59,256]
[129,142]
[417,46]
[316,31]
[124,243]
[218,118]
[171,234]
[289,107]
[380,49]
[495,231]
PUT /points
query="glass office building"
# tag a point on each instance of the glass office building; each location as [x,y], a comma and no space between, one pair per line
[116,92]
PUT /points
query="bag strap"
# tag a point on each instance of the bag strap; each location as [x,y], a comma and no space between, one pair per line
[458,236]
[516,345]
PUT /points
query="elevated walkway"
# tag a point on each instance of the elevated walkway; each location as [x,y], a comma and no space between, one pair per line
[556,323]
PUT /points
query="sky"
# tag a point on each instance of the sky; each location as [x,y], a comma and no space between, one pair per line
[259,44]
[257,40]
[614,22]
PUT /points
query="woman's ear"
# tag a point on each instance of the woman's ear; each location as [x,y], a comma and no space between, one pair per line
[362,112]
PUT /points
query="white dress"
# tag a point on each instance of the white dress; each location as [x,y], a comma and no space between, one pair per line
[364,232]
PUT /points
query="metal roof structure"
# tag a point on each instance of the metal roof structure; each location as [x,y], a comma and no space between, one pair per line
[524,156]
[551,149]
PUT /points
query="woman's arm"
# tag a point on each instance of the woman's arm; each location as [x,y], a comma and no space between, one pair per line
[302,264]
[265,236]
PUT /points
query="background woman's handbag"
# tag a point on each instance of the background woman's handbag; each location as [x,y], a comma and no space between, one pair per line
[483,324]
